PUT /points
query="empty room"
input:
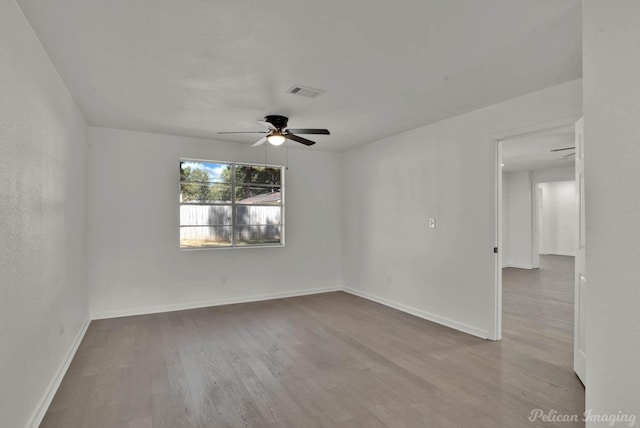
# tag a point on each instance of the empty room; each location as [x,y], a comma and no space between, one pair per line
[309,214]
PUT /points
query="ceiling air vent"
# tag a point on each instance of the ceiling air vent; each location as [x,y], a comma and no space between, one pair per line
[304,91]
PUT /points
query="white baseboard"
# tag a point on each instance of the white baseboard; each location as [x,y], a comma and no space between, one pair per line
[517,265]
[466,328]
[207,303]
[558,253]
[38,414]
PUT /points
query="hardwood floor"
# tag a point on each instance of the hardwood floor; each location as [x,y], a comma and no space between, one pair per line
[332,360]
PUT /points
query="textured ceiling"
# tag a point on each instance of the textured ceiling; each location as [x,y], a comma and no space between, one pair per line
[196,67]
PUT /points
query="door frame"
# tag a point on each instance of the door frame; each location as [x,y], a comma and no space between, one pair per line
[497,140]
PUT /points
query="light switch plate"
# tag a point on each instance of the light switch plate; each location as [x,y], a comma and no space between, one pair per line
[432,223]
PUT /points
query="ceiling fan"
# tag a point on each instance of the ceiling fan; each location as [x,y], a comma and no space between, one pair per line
[563,149]
[277,132]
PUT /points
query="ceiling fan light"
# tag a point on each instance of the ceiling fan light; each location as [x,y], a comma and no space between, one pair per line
[276,139]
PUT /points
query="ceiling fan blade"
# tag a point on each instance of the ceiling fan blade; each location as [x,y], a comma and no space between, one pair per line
[309,131]
[243,132]
[268,125]
[260,142]
[300,139]
[564,148]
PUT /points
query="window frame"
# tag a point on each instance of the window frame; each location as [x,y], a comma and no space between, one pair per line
[233,204]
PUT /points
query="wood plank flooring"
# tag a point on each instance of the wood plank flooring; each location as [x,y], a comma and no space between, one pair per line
[328,360]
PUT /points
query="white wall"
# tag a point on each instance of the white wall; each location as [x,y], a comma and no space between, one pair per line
[519,217]
[559,221]
[566,173]
[503,245]
[135,266]
[517,220]
[612,155]
[43,287]
[444,170]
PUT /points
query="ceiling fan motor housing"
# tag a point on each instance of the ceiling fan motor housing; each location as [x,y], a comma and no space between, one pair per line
[280,122]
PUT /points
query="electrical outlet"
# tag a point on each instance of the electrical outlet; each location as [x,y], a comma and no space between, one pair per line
[223,280]
[432,222]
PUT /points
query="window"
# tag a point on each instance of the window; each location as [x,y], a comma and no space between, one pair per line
[226,204]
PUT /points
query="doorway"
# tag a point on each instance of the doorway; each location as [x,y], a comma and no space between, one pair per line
[557,218]
[540,273]
[527,157]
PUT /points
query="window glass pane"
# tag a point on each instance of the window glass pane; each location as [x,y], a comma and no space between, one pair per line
[223,204]
[258,215]
[205,215]
[205,193]
[205,236]
[258,195]
[250,174]
[257,235]
[205,172]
